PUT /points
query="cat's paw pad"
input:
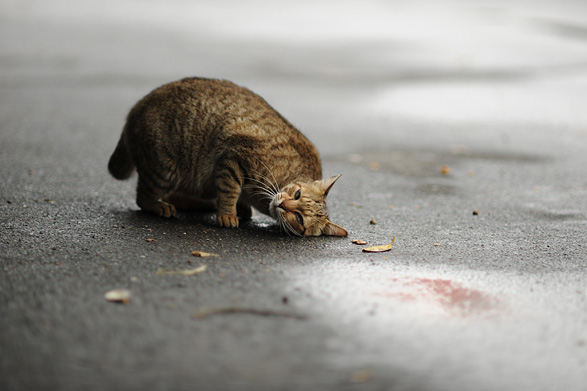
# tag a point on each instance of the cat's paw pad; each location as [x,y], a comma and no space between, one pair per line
[228,221]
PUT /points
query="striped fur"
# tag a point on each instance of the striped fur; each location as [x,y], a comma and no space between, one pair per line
[210,142]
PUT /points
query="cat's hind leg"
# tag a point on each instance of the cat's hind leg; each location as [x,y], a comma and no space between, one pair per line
[150,198]
[191,203]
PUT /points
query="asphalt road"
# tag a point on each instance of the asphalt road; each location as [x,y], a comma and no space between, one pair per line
[460,129]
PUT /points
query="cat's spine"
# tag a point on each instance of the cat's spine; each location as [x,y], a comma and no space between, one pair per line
[120,164]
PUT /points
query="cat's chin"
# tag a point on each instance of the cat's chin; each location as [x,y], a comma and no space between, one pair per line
[274,206]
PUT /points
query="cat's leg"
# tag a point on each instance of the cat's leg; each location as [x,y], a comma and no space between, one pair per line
[187,202]
[227,214]
[149,198]
[229,180]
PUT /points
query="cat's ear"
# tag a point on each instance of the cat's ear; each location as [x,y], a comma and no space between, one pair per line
[332,229]
[326,184]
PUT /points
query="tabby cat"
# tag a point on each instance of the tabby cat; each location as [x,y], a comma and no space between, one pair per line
[212,145]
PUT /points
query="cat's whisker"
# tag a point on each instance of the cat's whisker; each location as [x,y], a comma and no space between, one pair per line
[282,228]
[281,223]
[273,183]
[263,186]
[258,181]
[265,190]
[293,231]
[288,227]
[270,188]
[266,194]
[257,190]
[267,197]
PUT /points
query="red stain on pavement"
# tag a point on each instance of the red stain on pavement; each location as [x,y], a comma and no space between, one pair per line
[439,295]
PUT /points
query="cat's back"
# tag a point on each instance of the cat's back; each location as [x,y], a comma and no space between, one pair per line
[201,105]
[201,97]
[208,117]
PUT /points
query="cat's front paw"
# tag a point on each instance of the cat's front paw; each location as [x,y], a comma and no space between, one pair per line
[166,210]
[228,221]
[159,208]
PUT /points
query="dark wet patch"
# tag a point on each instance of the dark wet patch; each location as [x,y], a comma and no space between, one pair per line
[436,188]
[563,29]
[556,215]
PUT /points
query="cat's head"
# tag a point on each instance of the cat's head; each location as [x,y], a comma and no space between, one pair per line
[300,208]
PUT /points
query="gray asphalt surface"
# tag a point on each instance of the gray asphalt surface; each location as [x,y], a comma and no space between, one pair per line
[460,128]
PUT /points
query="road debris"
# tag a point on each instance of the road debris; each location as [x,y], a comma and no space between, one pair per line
[118,296]
[374,166]
[361,376]
[203,254]
[189,272]
[204,313]
[379,249]
[359,242]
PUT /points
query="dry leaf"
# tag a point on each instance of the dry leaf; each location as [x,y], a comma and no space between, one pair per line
[373,221]
[189,272]
[445,170]
[118,296]
[374,166]
[203,254]
[359,242]
[361,376]
[379,249]
[150,240]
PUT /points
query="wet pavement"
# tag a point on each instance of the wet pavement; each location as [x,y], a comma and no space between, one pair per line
[460,129]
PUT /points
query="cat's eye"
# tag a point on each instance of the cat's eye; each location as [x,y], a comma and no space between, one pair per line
[297,195]
[300,218]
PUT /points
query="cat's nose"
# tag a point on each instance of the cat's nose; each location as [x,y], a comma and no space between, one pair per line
[288,204]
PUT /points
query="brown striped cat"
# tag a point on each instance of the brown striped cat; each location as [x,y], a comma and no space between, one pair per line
[210,144]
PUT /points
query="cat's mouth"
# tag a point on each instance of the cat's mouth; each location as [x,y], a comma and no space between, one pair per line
[278,209]
[275,209]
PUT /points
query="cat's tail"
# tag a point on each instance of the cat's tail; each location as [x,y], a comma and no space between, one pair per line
[120,164]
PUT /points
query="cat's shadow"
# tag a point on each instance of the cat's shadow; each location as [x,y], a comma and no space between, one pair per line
[185,220]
